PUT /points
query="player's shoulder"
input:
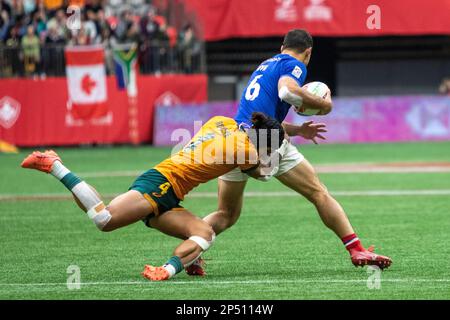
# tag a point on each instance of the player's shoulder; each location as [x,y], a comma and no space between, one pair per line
[291,66]
[222,119]
[219,122]
[288,61]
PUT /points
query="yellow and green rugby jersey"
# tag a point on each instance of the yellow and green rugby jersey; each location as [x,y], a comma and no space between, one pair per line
[217,148]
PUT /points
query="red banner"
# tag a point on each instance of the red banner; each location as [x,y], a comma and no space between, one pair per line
[257,18]
[35,112]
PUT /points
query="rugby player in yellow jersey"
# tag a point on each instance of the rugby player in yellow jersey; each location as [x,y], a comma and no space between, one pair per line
[154,197]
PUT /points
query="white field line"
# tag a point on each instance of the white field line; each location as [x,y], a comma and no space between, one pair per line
[319,168]
[382,169]
[367,193]
[216,282]
[112,174]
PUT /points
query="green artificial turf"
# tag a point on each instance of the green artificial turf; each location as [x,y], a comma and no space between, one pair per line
[279,249]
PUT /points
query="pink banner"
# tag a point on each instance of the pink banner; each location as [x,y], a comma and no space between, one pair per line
[353,120]
[170,119]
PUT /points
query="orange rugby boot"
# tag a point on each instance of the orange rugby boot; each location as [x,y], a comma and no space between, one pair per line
[42,161]
[196,268]
[155,273]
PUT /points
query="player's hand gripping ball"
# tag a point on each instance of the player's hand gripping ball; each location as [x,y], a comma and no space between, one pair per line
[317,88]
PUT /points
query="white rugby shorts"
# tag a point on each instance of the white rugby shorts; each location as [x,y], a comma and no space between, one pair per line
[291,158]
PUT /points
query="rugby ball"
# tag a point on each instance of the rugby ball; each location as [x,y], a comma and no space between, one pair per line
[316,88]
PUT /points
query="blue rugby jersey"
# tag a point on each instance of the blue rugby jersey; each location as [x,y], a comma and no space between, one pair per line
[261,93]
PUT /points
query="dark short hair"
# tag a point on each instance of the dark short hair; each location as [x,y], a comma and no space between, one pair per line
[298,40]
[261,122]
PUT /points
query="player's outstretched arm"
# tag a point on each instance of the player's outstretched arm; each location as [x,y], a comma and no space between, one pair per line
[308,130]
[290,92]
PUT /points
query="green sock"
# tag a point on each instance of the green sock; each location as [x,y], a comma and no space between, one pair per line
[173,266]
[70,180]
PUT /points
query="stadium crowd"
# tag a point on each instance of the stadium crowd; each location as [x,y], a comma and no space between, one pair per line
[33,34]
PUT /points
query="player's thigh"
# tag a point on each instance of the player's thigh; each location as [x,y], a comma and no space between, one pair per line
[182,224]
[303,179]
[291,158]
[128,208]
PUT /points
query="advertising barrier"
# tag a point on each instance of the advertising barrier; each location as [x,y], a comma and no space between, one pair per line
[353,120]
[38,112]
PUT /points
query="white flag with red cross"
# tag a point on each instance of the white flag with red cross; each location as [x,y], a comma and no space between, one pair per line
[86,81]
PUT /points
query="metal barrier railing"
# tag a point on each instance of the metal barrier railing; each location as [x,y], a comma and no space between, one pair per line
[161,57]
[154,57]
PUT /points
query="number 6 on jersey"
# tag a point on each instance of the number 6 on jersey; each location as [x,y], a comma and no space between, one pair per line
[253,88]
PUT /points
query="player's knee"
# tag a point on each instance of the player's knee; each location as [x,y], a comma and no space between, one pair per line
[103,220]
[204,240]
[228,217]
[108,227]
[203,230]
[318,194]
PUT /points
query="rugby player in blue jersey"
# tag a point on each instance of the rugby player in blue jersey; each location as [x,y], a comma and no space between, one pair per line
[273,88]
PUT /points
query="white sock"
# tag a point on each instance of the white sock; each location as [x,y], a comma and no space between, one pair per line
[59,170]
[171,269]
[86,195]
[95,208]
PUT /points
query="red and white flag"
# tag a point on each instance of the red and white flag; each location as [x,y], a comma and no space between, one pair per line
[86,81]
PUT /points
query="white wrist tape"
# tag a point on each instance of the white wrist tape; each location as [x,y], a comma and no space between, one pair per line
[289,97]
[203,243]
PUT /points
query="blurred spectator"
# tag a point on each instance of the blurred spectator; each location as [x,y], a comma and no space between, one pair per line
[172,35]
[18,9]
[5,24]
[124,24]
[80,38]
[31,51]
[444,88]
[58,23]
[102,25]
[13,39]
[4,6]
[190,49]
[94,5]
[105,22]
[161,46]
[148,28]
[132,34]
[54,37]
[12,64]
[39,23]
[91,27]
[29,6]
[148,24]
[53,53]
